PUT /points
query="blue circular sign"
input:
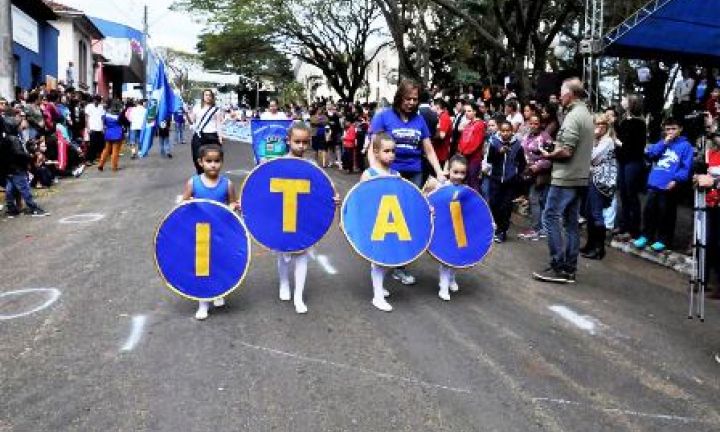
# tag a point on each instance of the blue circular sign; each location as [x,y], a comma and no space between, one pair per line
[288,204]
[463,226]
[387,221]
[202,250]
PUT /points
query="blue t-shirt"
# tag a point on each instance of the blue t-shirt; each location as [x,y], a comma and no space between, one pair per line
[408,138]
[218,193]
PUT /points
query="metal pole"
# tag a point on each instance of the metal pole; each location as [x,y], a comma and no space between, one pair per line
[146,52]
[7,62]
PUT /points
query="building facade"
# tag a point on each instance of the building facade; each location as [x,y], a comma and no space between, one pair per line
[35,44]
[76,35]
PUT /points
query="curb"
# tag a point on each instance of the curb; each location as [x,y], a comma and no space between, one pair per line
[673,260]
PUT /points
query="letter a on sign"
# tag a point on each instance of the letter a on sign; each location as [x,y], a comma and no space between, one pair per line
[290,189]
[390,209]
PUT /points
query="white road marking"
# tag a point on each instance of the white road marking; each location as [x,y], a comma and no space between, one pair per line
[324,261]
[362,370]
[623,411]
[583,322]
[138,323]
[178,199]
[52,295]
[82,218]
[239,172]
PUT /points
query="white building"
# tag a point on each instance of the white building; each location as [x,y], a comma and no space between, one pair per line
[76,33]
[380,79]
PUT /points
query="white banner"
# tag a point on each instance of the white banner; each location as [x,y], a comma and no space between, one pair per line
[25,30]
[117,50]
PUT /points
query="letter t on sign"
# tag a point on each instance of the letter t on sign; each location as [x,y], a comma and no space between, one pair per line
[290,189]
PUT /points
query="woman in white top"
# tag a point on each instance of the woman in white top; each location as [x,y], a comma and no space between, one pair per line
[207,123]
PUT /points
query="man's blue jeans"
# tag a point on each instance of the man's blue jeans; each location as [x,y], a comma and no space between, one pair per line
[560,218]
[18,183]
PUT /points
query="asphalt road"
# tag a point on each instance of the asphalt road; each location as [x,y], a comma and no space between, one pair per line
[116,351]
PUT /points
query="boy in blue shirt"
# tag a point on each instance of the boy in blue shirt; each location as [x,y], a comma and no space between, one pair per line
[672,162]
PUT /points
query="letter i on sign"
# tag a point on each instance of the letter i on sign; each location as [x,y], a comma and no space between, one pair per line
[290,189]
[202,249]
[458,222]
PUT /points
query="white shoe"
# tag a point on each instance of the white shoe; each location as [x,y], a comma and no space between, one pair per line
[386,293]
[219,302]
[300,308]
[403,276]
[444,294]
[202,312]
[284,293]
[382,304]
[454,287]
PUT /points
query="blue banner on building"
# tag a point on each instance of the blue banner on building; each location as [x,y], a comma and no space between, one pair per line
[269,138]
[202,250]
[387,221]
[463,226]
[288,204]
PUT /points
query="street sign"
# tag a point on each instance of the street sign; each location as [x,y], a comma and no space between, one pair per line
[202,250]
[463,226]
[288,204]
[387,221]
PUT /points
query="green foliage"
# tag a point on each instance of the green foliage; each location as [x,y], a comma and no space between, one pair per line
[292,93]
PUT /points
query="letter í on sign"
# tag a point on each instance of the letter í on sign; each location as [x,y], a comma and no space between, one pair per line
[202,249]
[390,220]
[458,222]
[290,189]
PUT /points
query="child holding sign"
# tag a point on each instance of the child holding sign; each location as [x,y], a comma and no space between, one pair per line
[457,170]
[299,137]
[213,186]
[383,147]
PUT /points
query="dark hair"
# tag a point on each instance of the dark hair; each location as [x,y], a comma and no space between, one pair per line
[457,158]
[474,107]
[298,125]
[207,148]
[503,121]
[552,109]
[378,138]
[442,104]
[425,96]
[635,105]
[672,121]
[403,89]
[512,103]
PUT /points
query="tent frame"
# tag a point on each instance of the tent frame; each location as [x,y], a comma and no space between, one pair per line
[631,22]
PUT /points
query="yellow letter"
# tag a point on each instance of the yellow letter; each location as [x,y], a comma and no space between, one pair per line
[458,223]
[290,189]
[202,249]
[390,208]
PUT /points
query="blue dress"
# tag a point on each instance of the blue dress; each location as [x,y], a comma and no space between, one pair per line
[218,193]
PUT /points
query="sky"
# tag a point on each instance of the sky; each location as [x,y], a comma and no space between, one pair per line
[167,28]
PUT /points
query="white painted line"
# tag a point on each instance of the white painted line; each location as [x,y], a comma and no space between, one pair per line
[138,322]
[82,218]
[583,322]
[239,172]
[52,295]
[178,199]
[324,262]
[623,411]
[362,370]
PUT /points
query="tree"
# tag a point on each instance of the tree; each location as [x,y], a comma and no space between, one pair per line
[332,35]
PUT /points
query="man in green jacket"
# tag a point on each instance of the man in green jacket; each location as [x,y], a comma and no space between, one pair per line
[570,172]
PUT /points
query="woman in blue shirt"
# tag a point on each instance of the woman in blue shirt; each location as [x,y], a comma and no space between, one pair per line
[113,135]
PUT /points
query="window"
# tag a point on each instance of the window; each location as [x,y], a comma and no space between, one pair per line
[82,63]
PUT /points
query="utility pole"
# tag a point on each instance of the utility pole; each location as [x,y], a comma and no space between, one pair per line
[7,63]
[146,51]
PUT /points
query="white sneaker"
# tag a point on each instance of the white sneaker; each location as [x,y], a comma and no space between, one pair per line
[219,302]
[202,312]
[284,292]
[444,294]
[382,304]
[403,276]
[454,287]
[300,307]
[386,293]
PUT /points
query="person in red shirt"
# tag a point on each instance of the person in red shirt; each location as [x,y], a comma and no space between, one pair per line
[443,136]
[471,144]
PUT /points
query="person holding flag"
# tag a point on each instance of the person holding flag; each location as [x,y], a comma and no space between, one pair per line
[160,106]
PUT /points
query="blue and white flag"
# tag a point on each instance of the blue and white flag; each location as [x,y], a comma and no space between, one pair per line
[161,102]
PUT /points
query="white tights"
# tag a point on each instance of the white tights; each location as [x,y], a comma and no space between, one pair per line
[377,274]
[447,282]
[283,261]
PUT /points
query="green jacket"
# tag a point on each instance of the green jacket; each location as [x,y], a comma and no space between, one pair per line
[577,132]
